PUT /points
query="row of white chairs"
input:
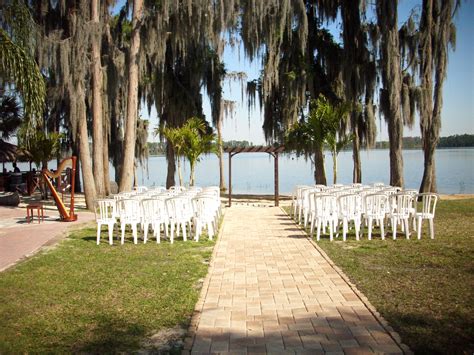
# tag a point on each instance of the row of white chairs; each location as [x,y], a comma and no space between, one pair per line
[330,207]
[177,209]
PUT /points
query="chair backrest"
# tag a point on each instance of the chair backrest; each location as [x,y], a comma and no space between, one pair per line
[129,209]
[375,204]
[153,209]
[401,204]
[204,206]
[105,209]
[349,205]
[325,204]
[179,208]
[314,203]
[428,203]
[305,195]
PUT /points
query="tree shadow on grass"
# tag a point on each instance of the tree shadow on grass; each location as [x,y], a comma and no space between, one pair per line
[111,334]
[451,334]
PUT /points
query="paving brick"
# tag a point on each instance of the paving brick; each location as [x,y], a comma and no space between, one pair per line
[271,293]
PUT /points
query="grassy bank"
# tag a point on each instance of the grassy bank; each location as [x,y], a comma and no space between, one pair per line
[424,289]
[80,297]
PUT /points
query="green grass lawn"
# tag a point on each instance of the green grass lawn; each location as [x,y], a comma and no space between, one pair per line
[423,288]
[80,297]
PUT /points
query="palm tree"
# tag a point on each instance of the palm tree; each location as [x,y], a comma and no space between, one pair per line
[320,127]
[336,143]
[17,65]
[10,116]
[196,141]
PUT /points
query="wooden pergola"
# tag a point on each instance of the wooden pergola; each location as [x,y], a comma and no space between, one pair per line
[273,151]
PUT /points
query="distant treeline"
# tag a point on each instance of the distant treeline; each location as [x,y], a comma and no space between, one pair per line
[456,141]
[159,148]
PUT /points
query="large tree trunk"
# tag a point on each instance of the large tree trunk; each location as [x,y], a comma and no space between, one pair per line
[97,118]
[428,182]
[387,18]
[334,167]
[84,152]
[105,157]
[171,166]
[357,170]
[434,43]
[220,155]
[126,178]
[319,170]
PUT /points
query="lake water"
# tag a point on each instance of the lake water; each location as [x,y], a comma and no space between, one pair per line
[252,173]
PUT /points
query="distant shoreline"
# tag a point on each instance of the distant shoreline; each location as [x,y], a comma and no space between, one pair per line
[344,150]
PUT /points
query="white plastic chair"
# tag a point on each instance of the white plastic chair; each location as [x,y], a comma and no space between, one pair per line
[414,194]
[129,212]
[105,214]
[428,207]
[401,204]
[374,209]
[325,214]
[349,209]
[154,214]
[180,212]
[205,212]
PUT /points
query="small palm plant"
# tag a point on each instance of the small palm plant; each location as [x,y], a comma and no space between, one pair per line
[321,126]
[198,139]
[191,140]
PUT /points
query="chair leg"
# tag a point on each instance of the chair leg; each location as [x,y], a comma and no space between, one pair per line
[311,227]
[357,228]
[318,229]
[122,226]
[369,227]
[419,227]
[135,233]
[431,222]
[394,228]
[99,226]
[145,232]
[197,230]
[382,231]
[172,232]
[158,233]
[407,229]
[332,230]
[344,229]
[111,233]
[210,230]
[183,228]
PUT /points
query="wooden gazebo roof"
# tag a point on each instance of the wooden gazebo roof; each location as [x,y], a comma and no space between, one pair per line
[255,149]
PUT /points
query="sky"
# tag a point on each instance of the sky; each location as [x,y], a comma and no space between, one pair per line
[458,89]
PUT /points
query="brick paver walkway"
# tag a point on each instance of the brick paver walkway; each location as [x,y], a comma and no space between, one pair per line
[269,290]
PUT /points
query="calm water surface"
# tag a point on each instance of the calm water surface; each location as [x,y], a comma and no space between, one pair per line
[252,173]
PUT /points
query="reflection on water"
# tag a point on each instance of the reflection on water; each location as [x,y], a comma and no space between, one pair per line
[253,172]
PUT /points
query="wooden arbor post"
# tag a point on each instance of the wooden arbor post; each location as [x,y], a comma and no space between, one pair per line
[273,151]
